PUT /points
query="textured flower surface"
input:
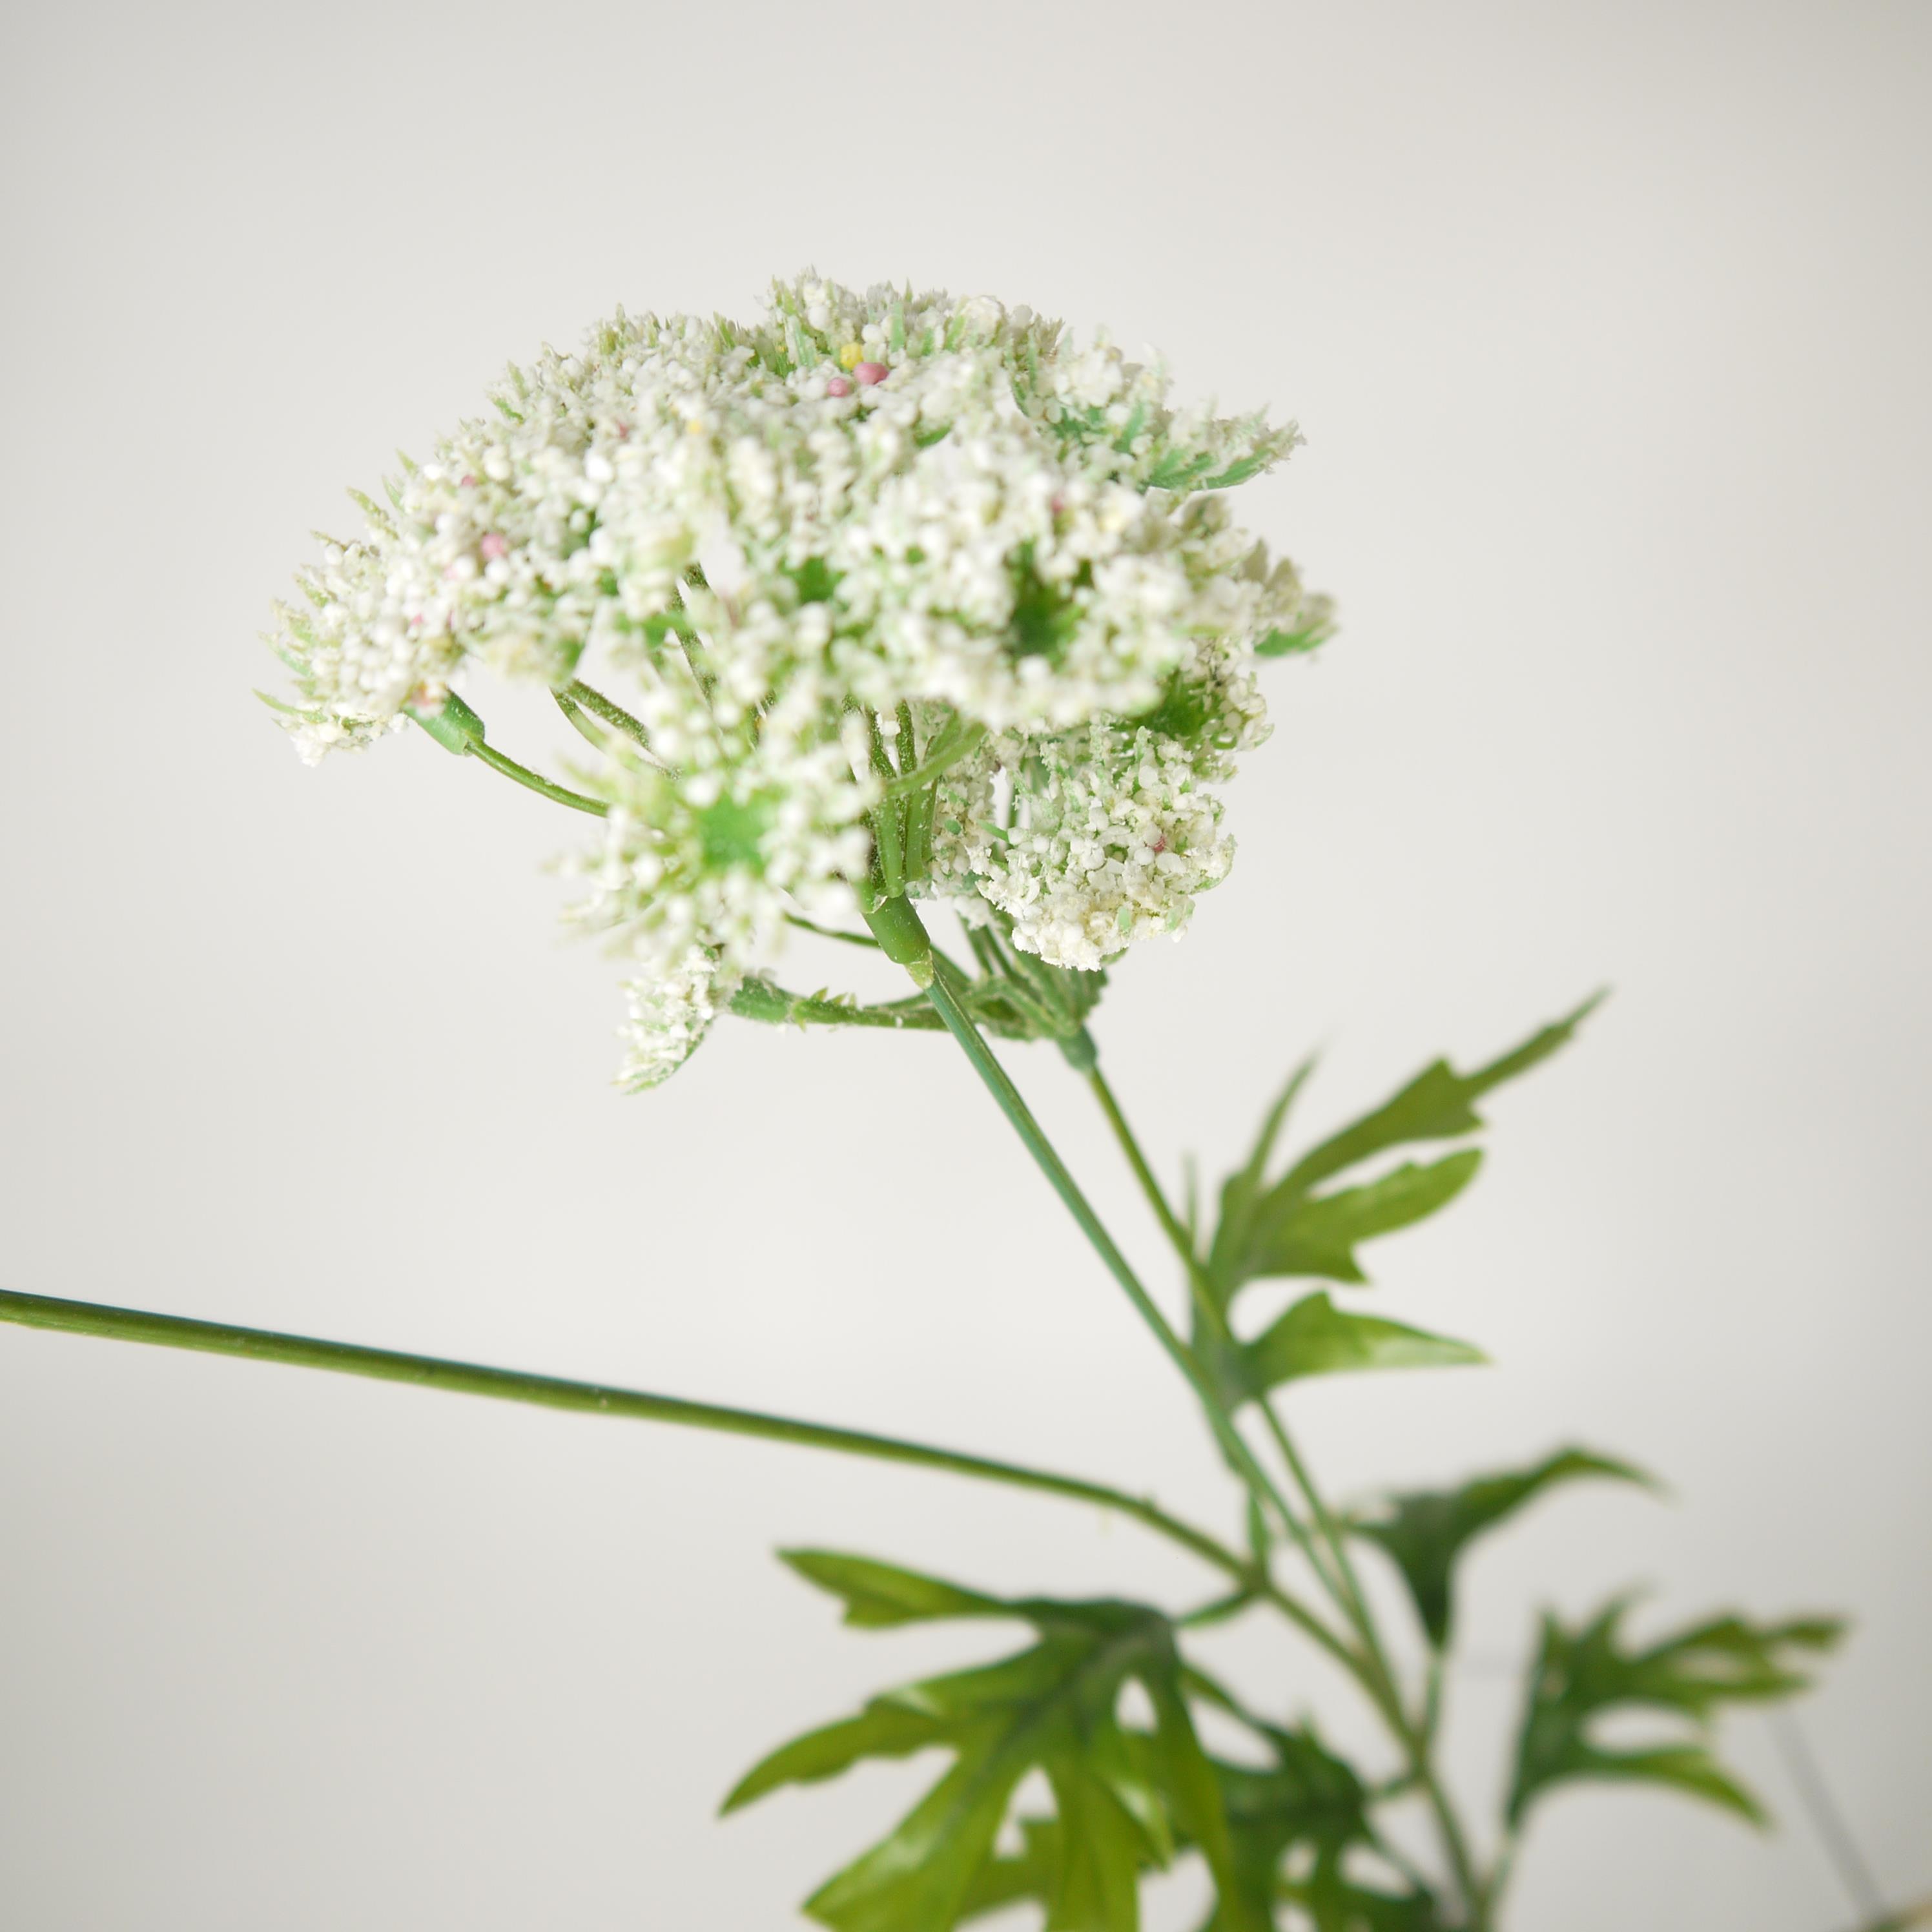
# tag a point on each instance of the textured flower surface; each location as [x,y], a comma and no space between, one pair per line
[889,593]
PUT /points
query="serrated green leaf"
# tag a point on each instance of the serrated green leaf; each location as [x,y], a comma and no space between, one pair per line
[1295,1234]
[1288,1228]
[1424,1532]
[1316,1338]
[1581,1675]
[1122,1798]
[1308,1801]
[1438,1104]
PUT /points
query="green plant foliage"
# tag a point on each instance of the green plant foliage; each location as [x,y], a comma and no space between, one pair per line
[1315,1338]
[1287,1228]
[1305,1804]
[1580,1676]
[1424,1532]
[1308,1802]
[1124,1799]
[1345,1907]
[1317,1234]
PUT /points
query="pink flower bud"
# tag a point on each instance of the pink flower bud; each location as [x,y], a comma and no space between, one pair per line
[468,483]
[838,386]
[872,372]
[494,546]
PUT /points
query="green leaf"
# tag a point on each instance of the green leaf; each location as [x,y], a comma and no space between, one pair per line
[877,1596]
[1029,1875]
[1122,1797]
[1307,1800]
[1338,1904]
[882,1729]
[1242,1191]
[1293,1234]
[1424,1532]
[1581,1675]
[1307,1809]
[1438,1104]
[1288,1228]
[1316,1338]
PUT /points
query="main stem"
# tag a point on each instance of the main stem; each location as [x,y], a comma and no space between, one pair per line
[1338,1573]
[263,1345]
[959,1024]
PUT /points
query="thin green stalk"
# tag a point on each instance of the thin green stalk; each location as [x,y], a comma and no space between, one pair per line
[804,925]
[943,750]
[1329,1529]
[559,794]
[262,1345]
[594,701]
[1211,1311]
[896,929]
[1379,1679]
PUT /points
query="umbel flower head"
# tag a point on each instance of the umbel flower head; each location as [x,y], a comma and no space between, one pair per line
[884,594]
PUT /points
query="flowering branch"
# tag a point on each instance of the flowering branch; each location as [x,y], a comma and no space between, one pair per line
[914,605]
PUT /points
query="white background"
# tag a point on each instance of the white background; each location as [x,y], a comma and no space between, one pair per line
[1607,325]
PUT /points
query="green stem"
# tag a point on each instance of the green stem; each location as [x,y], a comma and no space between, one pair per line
[893,927]
[262,1345]
[1378,1679]
[594,701]
[804,925]
[1212,1313]
[559,794]
[942,752]
[1151,1186]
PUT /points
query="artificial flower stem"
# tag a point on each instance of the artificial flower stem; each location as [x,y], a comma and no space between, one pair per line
[1342,1584]
[262,1345]
[593,701]
[1211,1310]
[959,1024]
[523,776]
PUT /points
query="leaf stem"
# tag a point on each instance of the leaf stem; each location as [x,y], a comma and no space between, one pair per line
[1377,1678]
[172,1331]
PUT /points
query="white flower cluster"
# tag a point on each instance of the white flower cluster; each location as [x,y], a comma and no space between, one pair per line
[800,555]
[669,1015]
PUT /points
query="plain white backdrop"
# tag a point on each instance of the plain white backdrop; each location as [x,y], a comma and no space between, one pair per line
[1607,327]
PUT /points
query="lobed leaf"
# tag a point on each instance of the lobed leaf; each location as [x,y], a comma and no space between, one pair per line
[1307,1811]
[1287,1228]
[1581,1675]
[1424,1532]
[1122,1798]
[1317,1235]
[1315,1338]
[1438,1104]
